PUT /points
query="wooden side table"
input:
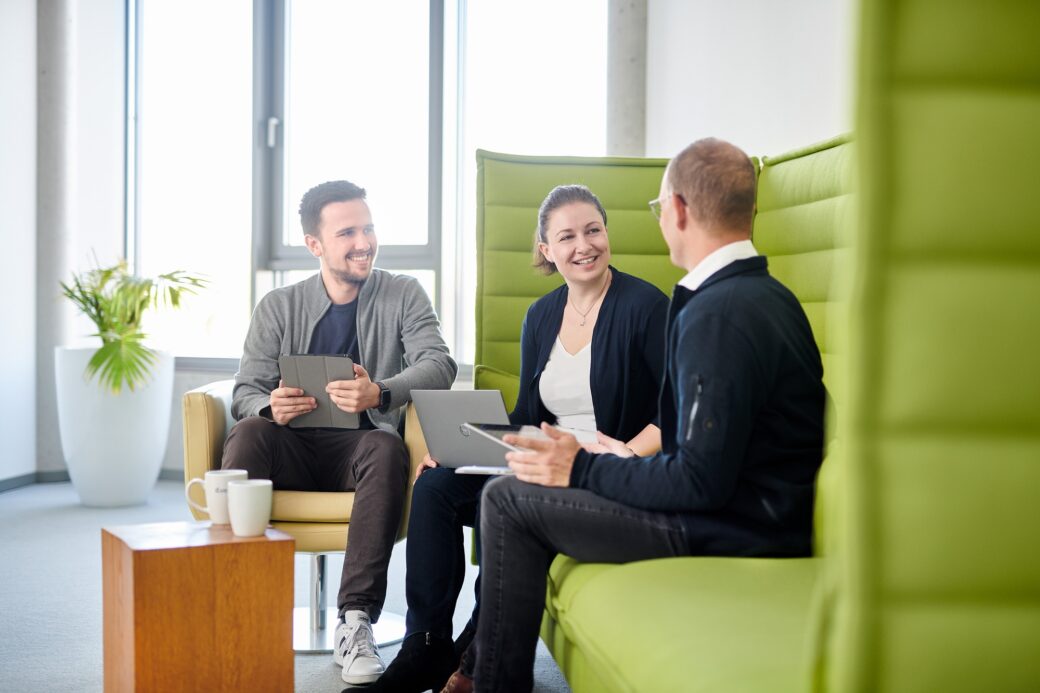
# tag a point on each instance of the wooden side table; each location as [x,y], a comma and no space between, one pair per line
[191,607]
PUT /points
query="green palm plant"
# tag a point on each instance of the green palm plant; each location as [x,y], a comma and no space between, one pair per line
[115,301]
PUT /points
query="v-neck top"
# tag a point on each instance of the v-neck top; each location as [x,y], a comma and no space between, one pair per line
[564,387]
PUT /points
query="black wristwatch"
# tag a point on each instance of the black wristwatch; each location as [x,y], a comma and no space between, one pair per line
[384,398]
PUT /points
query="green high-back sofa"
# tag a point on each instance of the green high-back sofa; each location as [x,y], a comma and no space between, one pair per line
[938,588]
[672,624]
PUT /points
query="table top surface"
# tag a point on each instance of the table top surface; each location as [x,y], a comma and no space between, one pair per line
[178,535]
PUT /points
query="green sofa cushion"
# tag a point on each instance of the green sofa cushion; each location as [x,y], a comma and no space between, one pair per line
[686,624]
[488,378]
[804,224]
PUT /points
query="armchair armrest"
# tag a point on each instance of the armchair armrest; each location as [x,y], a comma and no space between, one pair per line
[488,378]
[417,449]
[207,419]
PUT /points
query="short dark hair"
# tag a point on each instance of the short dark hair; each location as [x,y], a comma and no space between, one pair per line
[558,197]
[315,199]
[717,181]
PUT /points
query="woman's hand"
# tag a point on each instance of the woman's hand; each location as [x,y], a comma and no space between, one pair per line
[427,463]
[605,443]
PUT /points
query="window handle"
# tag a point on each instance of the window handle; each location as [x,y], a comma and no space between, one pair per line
[272,132]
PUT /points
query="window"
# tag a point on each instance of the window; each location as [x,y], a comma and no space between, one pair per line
[358,102]
[276,96]
[346,93]
[193,155]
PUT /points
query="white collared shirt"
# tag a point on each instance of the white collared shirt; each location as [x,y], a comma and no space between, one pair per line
[726,255]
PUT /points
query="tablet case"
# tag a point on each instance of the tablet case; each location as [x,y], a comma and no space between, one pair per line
[313,373]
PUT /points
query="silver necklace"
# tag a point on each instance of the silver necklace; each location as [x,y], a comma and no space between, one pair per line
[591,305]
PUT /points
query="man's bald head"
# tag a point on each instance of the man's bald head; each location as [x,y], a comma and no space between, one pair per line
[717,183]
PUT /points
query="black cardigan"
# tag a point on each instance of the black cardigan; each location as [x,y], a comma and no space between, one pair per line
[627,356]
[741,420]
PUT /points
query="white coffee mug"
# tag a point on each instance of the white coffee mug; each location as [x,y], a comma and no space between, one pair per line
[215,484]
[249,505]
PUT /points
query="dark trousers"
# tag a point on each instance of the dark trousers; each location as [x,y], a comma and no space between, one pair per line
[443,502]
[523,527]
[372,463]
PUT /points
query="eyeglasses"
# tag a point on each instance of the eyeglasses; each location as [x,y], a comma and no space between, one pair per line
[655,205]
[655,208]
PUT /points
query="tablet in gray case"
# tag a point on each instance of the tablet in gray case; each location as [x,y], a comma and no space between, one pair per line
[313,373]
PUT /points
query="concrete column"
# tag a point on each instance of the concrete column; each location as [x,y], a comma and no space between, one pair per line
[55,210]
[626,78]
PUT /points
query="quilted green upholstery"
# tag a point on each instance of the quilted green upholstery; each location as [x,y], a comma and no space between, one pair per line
[804,226]
[940,590]
[681,624]
[509,192]
[692,630]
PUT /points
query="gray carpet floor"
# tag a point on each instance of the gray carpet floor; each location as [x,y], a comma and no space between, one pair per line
[50,592]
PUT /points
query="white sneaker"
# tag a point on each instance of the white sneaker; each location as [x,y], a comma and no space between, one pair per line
[356,649]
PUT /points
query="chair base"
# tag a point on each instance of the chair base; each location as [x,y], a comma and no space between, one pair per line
[388,631]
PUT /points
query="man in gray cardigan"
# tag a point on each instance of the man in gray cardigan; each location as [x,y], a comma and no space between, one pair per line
[388,327]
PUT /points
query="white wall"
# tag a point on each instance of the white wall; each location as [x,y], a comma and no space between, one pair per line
[18,235]
[768,76]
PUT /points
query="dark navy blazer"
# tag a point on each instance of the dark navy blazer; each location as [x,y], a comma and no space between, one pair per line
[741,412]
[627,356]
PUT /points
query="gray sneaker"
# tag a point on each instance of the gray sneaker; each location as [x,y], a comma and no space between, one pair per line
[356,649]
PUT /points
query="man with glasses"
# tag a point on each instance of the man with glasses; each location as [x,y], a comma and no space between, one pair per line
[385,323]
[741,412]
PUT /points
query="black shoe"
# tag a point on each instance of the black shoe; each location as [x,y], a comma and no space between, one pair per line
[425,662]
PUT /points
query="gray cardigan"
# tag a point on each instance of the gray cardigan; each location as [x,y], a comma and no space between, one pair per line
[399,341]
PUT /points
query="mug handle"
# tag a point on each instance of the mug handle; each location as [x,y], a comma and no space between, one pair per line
[187,495]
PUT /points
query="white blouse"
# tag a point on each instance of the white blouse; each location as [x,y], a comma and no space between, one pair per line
[565,390]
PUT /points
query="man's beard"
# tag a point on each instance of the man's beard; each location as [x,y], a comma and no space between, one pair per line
[348,277]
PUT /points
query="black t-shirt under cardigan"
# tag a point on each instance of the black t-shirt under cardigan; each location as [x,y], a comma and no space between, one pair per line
[627,356]
[336,333]
[741,412]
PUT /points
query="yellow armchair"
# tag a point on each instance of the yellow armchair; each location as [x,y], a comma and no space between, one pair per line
[319,522]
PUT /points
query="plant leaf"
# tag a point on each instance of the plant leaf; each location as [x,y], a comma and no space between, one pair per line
[116,301]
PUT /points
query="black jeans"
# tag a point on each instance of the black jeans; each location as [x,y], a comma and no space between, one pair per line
[523,527]
[372,463]
[442,503]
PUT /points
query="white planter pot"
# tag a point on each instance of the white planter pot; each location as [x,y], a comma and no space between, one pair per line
[113,443]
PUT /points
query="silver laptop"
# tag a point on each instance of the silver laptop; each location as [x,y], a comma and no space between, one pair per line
[441,415]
